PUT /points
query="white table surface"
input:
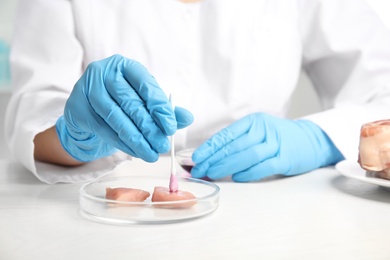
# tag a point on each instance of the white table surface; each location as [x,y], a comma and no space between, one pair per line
[319,215]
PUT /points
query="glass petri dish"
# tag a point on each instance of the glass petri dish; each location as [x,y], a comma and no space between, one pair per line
[94,206]
[184,158]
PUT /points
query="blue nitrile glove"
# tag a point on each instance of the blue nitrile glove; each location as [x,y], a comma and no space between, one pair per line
[117,104]
[260,145]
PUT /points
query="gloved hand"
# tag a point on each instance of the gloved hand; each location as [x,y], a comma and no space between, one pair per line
[117,104]
[260,145]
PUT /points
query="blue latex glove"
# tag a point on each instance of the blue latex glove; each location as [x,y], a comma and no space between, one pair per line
[260,145]
[117,104]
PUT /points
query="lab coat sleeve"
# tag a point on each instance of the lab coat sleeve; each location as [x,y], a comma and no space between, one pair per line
[46,61]
[346,54]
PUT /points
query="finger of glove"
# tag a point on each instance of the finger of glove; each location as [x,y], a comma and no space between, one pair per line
[114,125]
[134,147]
[253,124]
[241,160]
[202,169]
[150,92]
[240,153]
[262,170]
[221,139]
[134,107]
[184,117]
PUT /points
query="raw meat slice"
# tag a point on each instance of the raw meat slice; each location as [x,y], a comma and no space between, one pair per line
[126,194]
[374,147]
[161,194]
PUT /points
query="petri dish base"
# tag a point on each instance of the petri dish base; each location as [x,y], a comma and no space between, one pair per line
[94,206]
[183,157]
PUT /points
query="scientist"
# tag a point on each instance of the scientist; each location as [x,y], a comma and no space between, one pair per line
[91,80]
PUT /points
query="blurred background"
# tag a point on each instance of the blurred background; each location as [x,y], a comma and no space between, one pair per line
[304,102]
[7,13]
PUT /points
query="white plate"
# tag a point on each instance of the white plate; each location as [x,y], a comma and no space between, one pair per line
[352,169]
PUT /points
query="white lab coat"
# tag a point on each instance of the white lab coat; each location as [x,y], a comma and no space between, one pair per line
[222,59]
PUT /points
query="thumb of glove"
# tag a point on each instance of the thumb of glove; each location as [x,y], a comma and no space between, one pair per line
[184,117]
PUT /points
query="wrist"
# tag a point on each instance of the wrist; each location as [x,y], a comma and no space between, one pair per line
[47,148]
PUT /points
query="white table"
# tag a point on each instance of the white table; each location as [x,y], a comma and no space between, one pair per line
[319,215]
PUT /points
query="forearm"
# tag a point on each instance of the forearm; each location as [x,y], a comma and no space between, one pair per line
[48,149]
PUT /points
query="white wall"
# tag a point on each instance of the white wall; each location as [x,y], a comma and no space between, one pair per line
[304,100]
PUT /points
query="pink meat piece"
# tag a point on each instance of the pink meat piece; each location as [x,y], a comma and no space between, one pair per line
[374,147]
[161,194]
[126,194]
